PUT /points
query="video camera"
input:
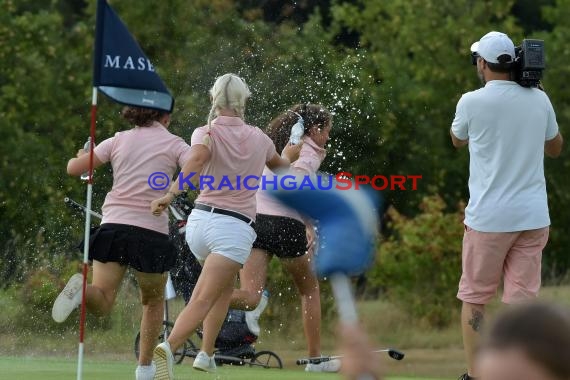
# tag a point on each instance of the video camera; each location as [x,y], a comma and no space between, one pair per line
[529,63]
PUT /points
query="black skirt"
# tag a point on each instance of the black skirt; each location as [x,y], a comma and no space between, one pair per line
[279,235]
[142,249]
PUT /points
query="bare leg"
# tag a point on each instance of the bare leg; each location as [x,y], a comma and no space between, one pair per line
[214,320]
[253,277]
[308,287]
[472,317]
[217,275]
[152,298]
[100,295]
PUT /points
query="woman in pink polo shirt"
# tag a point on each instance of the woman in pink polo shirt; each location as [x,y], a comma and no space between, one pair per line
[282,232]
[220,228]
[129,235]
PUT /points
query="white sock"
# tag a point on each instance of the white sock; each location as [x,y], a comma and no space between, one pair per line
[262,304]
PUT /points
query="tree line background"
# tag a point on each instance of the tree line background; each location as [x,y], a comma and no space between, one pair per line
[391,71]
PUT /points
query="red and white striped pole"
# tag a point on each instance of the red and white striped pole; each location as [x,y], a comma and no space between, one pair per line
[87,234]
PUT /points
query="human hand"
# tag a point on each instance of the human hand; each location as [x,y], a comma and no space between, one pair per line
[81,152]
[359,361]
[159,205]
[291,152]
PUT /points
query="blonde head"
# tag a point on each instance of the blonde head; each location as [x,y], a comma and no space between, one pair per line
[229,92]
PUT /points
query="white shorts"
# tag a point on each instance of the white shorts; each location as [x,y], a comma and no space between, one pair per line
[207,232]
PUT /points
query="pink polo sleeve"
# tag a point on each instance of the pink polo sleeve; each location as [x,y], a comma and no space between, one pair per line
[308,161]
[271,151]
[103,150]
[182,150]
[198,135]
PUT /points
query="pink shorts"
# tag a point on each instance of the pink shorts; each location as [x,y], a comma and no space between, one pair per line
[489,255]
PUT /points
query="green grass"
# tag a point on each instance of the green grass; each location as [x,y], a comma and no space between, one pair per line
[37,348]
[27,368]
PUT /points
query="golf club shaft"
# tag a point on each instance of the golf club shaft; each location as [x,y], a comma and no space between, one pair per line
[320,359]
[80,207]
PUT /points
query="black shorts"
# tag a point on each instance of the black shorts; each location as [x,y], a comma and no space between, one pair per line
[142,249]
[284,237]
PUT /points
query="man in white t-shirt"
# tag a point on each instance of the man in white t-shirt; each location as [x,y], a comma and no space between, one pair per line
[508,129]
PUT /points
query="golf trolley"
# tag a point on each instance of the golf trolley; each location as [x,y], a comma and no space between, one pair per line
[239,353]
[234,342]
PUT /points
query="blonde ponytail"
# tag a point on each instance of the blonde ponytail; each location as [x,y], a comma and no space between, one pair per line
[207,139]
[230,92]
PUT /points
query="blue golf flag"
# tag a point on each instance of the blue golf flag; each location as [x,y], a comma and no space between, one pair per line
[347,224]
[121,69]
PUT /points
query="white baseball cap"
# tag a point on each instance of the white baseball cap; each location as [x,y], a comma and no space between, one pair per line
[492,45]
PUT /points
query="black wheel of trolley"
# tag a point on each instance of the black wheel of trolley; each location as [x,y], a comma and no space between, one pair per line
[185,350]
[266,359]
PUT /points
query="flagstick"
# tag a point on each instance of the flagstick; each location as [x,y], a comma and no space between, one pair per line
[87,234]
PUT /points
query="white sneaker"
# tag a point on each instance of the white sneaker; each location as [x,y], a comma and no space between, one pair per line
[328,366]
[252,320]
[68,299]
[145,372]
[252,317]
[205,363]
[164,362]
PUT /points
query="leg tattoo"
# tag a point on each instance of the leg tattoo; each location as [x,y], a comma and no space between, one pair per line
[476,321]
